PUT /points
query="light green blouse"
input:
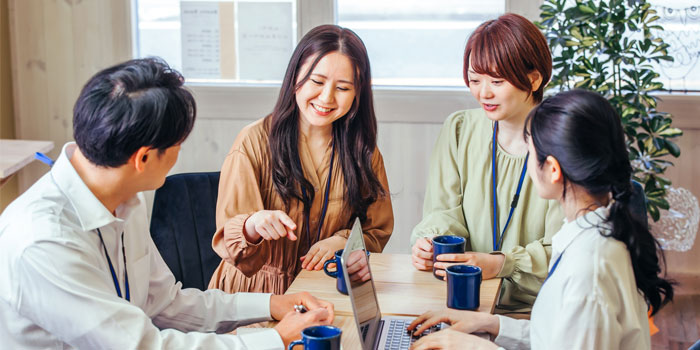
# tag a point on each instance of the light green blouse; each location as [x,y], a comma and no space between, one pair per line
[458,201]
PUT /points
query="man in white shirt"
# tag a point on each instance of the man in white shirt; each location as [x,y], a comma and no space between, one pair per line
[78,268]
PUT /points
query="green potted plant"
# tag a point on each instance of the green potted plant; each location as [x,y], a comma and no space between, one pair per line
[608,46]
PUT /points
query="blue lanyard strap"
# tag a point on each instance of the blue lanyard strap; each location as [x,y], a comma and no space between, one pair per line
[111,268]
[325,203]
[554,267]
[497,242]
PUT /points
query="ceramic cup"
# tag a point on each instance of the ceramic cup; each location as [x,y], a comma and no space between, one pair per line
[319,338]
[463,287]
[445,245]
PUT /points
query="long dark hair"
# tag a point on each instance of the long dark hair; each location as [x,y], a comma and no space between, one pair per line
[584,133]
[354,135]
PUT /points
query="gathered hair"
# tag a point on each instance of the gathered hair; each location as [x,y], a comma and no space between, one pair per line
[584,133]
[354,134]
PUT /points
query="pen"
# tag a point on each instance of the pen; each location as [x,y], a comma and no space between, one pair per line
[300,308]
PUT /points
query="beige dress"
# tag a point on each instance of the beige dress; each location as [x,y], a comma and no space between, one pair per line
[246,187]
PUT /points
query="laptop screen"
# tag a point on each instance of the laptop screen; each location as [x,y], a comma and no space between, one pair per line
[358,278]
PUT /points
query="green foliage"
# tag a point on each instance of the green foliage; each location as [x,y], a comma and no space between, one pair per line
[608,46]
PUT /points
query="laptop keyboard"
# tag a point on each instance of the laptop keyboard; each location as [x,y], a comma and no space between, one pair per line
[398,338]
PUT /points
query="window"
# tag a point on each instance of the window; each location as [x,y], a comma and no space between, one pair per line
[416,42]
[681,22]
[219,41]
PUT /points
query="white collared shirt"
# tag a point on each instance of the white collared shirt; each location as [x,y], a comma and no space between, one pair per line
[590,301]
[57,292]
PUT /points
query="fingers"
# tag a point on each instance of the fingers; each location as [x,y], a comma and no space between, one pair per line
[433,320]
[425,244]
[419,320]
[277,226]
[286,220]
[308,258]
[463,257]
[421,264]
[315,260]
[422,249]
[288,223]
[318,316]
[431,341]
[330,308]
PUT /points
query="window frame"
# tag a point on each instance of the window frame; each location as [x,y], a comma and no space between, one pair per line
[393,104]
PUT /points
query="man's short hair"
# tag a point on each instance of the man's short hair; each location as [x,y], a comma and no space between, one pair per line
[137,103]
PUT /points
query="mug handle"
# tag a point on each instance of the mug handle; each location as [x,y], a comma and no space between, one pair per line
[333,274]
[295,343]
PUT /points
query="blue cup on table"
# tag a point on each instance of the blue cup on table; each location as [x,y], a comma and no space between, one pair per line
[447,245]
[319,338]
[463,287]
[338,274]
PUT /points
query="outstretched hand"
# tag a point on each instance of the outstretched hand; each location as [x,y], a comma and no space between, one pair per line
[269,225]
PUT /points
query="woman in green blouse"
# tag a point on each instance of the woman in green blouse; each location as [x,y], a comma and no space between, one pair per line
[507,63]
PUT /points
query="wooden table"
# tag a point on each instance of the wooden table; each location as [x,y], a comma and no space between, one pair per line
[401,290]
[15,154]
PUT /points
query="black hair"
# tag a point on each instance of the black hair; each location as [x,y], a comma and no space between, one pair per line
[584,133]
[354,134]
[138,103]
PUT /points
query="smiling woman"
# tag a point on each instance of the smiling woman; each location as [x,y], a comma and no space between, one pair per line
[319,139]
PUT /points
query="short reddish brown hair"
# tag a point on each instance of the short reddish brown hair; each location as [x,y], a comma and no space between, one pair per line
[509,47]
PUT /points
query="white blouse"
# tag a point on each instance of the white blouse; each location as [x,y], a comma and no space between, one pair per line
[590,301]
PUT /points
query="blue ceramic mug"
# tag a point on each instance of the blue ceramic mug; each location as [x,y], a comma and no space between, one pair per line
[340,285]
[319,338]
[463,287]
[447,245]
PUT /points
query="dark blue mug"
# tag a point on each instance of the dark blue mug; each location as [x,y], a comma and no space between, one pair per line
[463,287]
[340,285]
[447,245]
[319,338]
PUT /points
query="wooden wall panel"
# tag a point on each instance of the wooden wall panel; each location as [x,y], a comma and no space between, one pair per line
[56,45]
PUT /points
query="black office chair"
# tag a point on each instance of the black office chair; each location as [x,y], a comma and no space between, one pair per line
[183,223]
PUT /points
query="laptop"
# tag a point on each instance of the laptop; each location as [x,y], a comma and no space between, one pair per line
[375,331]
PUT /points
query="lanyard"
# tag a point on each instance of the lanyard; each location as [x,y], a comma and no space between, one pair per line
[111,269]
[554,267]
[514,203]
[325,202]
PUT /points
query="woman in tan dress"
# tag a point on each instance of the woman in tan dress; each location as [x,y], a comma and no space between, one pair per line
[294,181]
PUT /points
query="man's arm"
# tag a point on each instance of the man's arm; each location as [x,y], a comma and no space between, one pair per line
[60,289]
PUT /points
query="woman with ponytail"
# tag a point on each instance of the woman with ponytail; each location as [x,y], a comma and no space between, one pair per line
[604,273]
[294,181]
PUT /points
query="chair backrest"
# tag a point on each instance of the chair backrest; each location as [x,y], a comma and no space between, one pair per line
[183,223]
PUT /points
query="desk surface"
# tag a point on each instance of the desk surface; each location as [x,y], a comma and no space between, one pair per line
[401,289]
[15,154]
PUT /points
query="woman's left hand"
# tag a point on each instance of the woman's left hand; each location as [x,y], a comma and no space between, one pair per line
[322,251]
[490,264]
[451,339]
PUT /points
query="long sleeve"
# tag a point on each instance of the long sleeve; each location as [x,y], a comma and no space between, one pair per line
[72,291]
[527,266]
[379,225]
[514,334]
[442,206]
[239,197]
